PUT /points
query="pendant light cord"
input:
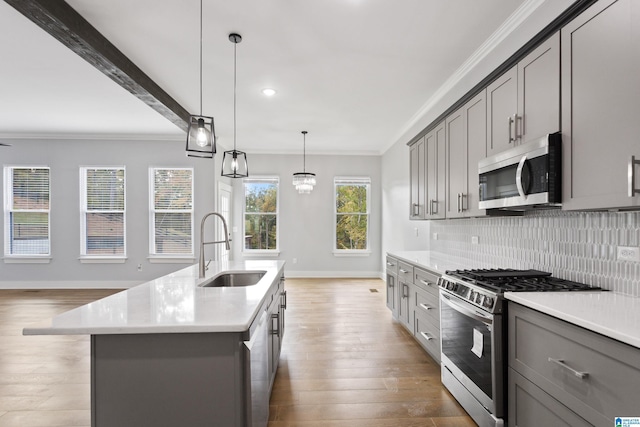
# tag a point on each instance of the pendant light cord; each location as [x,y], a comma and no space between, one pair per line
[200,57]
[235,48]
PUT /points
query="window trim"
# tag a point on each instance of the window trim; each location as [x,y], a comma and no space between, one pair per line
[10,258]
[102,258]
[346,180]
[266,252]
[154,257]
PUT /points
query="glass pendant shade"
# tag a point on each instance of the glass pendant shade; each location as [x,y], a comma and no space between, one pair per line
[234,164]
[201,138]
[304,182]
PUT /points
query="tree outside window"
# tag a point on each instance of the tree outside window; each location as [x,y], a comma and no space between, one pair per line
[352,214]
[261,214]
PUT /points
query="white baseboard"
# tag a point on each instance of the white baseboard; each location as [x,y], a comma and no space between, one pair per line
[332,274]
[66,284]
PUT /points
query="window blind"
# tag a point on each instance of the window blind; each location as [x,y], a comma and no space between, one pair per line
[103,211]
[27,211]
[172,212]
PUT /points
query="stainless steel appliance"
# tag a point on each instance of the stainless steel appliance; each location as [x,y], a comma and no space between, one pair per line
[473,334]
[525,176]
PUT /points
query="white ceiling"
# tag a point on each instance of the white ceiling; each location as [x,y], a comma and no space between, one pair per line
[353,73]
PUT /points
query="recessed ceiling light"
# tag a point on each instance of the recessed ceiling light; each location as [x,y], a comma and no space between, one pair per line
[268,92]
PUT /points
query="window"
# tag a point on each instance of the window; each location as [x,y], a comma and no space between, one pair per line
[26,212]
[102,212]
[171,222]
[261,214]
[351,214]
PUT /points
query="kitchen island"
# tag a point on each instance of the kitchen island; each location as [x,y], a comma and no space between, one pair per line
[173,352]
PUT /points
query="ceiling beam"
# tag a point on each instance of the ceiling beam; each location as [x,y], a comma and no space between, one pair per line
[60,20]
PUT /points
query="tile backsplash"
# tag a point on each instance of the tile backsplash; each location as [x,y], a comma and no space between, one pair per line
[579,246]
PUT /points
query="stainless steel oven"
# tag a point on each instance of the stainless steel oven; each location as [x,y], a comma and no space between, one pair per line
[472,358]
[473,335]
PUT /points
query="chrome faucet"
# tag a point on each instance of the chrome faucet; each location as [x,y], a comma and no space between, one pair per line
[202,242]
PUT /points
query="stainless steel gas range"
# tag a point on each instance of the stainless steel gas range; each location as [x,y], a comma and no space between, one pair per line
[473,334]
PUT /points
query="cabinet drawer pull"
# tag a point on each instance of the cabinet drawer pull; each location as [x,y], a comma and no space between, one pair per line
[390,264]
[425,336]
[633,191]
[424,282]
[426,307]
[403,271]
[560,362]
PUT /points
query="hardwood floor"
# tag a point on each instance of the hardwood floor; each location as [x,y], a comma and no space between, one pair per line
[344,362]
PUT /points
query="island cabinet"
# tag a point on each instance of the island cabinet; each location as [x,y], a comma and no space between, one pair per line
[417,179]
[524,103]
[601,107]
[562,374]
[189,379]
[465,145]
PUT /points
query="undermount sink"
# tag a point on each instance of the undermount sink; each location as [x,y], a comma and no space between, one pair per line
[235,279]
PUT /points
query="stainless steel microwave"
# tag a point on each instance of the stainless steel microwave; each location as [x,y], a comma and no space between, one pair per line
[525,176]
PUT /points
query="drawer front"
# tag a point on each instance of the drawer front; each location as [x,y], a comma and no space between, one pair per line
[426,280]
[595,376]
[529,406]
[392,265]
[405,272]
[428,306]
[428,335]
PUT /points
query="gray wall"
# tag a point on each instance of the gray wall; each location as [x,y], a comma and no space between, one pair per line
[306,220]
[64,158]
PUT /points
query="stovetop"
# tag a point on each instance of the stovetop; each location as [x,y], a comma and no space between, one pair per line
[484,288]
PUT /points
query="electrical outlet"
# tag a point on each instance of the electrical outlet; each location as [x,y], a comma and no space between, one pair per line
[417,231]
[295,260]
[435,236]
[474,240]
[628,253]
[139,267]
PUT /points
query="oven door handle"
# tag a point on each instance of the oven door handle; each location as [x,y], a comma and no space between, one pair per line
[474,314]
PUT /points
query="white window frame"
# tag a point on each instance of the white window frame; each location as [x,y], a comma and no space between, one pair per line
[8,209]
[266,179]
[169,258]
[102,258]
[346,180]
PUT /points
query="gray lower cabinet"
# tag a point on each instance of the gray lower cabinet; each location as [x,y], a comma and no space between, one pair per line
[601,106]
[561,371]
[392,286]
[188,379]
[405,295]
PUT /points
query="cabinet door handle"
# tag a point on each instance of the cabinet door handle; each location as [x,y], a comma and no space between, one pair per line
[513,128]
[633,191]
[284,300]
[560,362]
[433,210]
[424,282]
[404,287]
[459,195]
[426,337]
[426,307]
[276,330]
[416,209]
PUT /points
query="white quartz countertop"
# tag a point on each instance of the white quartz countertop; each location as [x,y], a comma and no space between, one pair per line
[436,261]
[171,304]
[611,314]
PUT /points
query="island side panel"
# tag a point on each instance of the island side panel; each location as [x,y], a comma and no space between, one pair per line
[167,380]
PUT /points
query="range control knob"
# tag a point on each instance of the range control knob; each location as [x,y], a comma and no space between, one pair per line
[488,302]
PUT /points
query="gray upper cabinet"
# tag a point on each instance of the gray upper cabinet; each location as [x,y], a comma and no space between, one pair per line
[466,145]
[417,180]
[435,150]
[524,103]
[601,107]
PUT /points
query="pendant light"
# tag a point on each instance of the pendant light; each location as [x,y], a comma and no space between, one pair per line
[234,162]
[304,181]
[201,138]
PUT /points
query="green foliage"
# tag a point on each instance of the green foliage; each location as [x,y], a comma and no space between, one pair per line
[260,222]
[352,219]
